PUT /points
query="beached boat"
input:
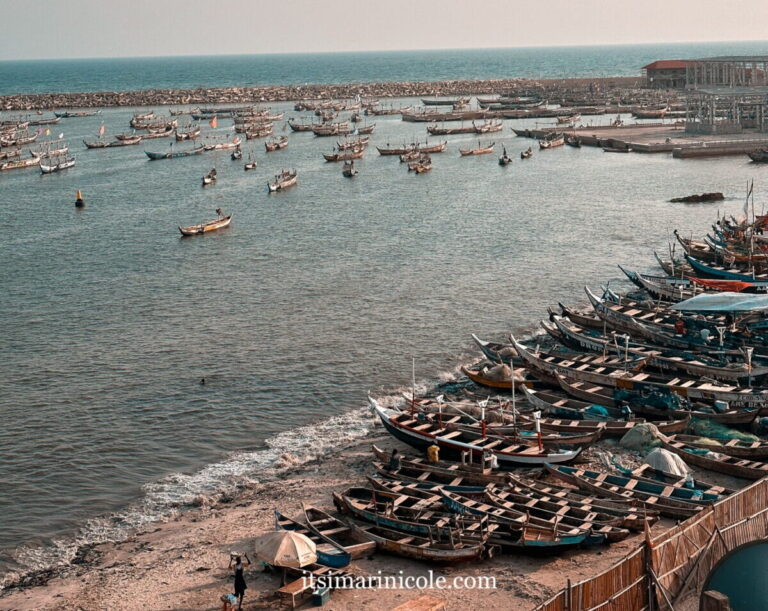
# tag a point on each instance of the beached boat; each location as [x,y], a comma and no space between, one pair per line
[669,501]
[755,450]
[207,226]
[275,144]
[630,376]
[421,435]
[284,180]
[51,164]
[329,553]
[480,150]
[716,461]
[173,154]
[665,406]
[419,548]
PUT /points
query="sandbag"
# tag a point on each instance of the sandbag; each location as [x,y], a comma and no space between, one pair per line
[642,438]
[667,461]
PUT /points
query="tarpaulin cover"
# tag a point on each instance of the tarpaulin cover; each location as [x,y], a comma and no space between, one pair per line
[723,302]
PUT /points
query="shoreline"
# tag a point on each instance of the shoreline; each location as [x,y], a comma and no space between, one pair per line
[278,93]
[181,562]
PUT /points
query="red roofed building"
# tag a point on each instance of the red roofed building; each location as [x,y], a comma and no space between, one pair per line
[666,74]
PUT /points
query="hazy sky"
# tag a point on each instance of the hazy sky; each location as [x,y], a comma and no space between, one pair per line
[118,28]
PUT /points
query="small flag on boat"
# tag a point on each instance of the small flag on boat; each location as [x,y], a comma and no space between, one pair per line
[214,123]
[102,129]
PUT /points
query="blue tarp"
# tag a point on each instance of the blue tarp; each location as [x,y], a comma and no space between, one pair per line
[723,302]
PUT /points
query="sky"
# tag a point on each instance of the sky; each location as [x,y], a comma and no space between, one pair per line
[43,29]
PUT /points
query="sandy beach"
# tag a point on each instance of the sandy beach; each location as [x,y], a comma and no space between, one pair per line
[182,563]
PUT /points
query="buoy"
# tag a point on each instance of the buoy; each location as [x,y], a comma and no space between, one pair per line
[79,202]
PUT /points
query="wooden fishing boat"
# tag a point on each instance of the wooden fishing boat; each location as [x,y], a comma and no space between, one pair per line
[755,450]
[419,548]
[12,154]
[261,131]
[488,126]
[598,523]
[208,226]
[471,474]
[437,130]
[45,121]
[649,113]
[526,154]
[70,114]
[720,272]
[337,532]
[480,150]
[236,155]
[441,101]
[663,360]
[480,377]
[397,151]
[421,476]
[645,471]
[588,321]
[668,501]
[219,146]
[18,139]
[275,144]
[388,111]
[603,395]
[716,461]
[19,164]
[332,129]
[495,351]
[556,536]
[504,159]
[162,133]
[51,164]
[251,165]
[354,143]
[613,373]
[549,402]
[426,149]
[630,517]
[190,133]
[329,553]
[365,129]
[300,127]
[569,119]
[349,169]
[284,180]
[115,143]
[344,155]
[173,154]
[552,140]
[515,530]
[209,178]
[421,435]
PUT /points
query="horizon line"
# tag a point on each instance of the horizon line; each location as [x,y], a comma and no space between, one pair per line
[267,54]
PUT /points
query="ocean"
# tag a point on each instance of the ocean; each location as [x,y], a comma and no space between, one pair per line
[311,299]
[46,76]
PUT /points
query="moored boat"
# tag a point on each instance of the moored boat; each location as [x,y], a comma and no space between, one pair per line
[284,180]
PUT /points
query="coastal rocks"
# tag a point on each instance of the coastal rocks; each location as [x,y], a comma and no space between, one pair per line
[283,93]
[697,199]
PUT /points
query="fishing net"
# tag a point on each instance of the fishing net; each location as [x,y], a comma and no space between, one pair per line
[666,461]
[717,430]
[642,438]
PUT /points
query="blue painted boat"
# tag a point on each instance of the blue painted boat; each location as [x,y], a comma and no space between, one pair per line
[721,273]
[174,154]
[328,553]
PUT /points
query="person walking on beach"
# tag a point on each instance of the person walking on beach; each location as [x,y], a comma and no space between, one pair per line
[240,586]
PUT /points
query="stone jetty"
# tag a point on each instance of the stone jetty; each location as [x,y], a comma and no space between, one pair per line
[280,93]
